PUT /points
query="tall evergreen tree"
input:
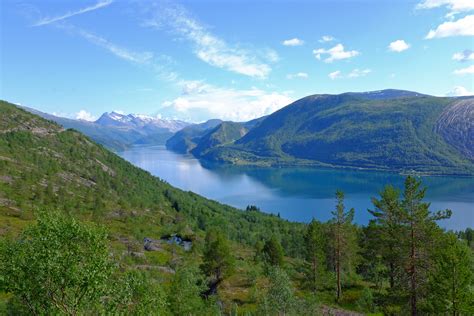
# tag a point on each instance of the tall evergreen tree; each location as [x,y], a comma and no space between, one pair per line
[388,216]
[420,239]
[315,242]
[344,243]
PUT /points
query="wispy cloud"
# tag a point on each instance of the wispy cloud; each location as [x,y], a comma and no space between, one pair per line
[121,52]
[454,6]
[465,71]
[398,46]
[98,5]
[335,74]
[463,56]
[327,38]
[207,46]
[461,27]
[355,73]
[335,53]
[293,42]
[301,75]
[159,64]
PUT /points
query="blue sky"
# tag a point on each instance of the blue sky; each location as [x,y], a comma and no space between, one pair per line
[234,60]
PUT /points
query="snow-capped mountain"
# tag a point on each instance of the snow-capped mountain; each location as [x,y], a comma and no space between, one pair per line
[140,121]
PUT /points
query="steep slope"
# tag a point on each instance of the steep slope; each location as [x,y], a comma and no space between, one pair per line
[44,166]
[362,131]
[186,139]
[200,138]
[224,133]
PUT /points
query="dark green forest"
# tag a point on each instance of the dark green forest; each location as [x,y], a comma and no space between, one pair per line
[85,232]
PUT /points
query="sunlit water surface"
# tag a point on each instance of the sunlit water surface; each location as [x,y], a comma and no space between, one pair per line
[298,194]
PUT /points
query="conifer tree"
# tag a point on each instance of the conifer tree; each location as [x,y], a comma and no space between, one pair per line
[315,242]
[344,245]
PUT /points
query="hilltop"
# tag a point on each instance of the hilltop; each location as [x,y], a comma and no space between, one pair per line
[391,130]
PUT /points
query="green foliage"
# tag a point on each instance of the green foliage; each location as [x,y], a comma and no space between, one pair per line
[57,266]
[343,243]
[218,262]
[316,241]
[451,288]
[185,291]
[279,298]
[45,167]
[273,252]
[134,293]
[366,301]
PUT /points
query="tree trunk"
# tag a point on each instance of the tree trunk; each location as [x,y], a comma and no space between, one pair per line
[413,299]
[338,266]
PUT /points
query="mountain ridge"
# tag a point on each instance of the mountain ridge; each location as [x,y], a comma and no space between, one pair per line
[392,130]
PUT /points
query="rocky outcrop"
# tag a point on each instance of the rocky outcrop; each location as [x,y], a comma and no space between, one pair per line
[456,126]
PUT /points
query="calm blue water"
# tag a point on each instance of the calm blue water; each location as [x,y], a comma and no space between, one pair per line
[298,194]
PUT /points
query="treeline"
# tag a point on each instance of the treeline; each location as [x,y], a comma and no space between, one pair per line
[401,263]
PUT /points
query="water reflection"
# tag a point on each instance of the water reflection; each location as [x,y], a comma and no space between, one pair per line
[298,194]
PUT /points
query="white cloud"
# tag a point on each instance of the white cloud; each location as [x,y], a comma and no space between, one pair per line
[136,57]
[208,101]
[465,71]
[335,75]
[398,46]
[326,38]
[85,116]
[461,27]
[335,53]
[302,75]
[98,5]
[208,47]
[455,6]
[293,42]
[459,91]
[355,73]
[464,55]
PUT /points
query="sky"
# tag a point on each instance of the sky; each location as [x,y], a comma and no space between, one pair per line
[233,60]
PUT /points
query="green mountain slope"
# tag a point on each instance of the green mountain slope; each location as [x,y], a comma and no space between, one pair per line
[224,133]
[186,139]
[200,138]
[44,166]
[399,133]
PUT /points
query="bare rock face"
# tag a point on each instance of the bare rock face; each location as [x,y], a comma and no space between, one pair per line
[456,126]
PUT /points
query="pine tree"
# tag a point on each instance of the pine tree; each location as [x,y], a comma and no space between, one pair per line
[315,242]
[344,244]
[388,216]
[419,239]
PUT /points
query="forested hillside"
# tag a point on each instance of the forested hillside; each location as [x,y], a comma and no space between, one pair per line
[385,130]
[85,232]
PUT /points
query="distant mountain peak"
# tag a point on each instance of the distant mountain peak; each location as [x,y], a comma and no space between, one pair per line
[139,120]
